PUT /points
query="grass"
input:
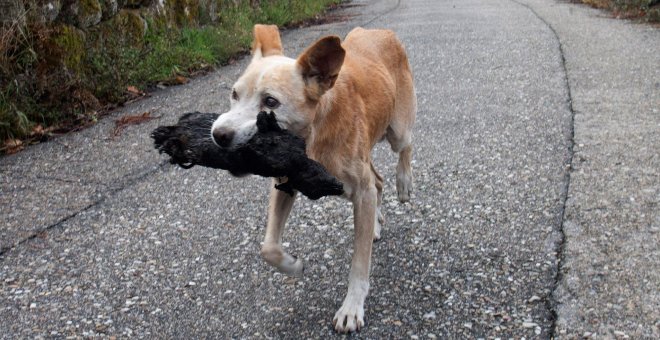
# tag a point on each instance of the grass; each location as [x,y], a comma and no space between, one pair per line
[646,10]
[51,80]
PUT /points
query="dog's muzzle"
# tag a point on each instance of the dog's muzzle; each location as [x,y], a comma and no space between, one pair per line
[223,136]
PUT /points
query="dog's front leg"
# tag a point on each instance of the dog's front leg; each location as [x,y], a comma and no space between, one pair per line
[279,208]
[350,317]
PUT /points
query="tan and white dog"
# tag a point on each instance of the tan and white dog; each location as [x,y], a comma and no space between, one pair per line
[342,98]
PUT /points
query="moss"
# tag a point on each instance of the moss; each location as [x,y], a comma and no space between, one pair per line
[89,13]
[131,26]
[114,49]
[70,44]
[653,15]
[182,12]
[108,8]
[127,28]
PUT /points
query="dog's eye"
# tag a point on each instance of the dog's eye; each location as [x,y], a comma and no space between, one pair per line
[271,102]
[234,95]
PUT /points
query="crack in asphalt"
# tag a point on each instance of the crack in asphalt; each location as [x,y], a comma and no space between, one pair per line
[59,179]
[551,303]
[105,195]
[549,300]
[66,180]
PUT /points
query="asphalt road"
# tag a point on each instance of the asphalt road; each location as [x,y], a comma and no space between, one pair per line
[534,212]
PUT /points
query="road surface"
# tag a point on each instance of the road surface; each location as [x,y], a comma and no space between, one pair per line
[535,210]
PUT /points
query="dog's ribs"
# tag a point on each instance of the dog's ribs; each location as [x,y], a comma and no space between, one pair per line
[271,152]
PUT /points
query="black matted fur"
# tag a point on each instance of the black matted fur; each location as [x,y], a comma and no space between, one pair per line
[271,152]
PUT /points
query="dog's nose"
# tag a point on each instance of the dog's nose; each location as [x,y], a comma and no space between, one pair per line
[223,136]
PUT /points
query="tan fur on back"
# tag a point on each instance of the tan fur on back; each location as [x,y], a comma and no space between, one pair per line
[354,115]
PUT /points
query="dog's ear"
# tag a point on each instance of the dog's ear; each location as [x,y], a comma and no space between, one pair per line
[320,65]
[266,42]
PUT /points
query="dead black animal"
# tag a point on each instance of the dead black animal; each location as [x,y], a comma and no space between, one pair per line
[271,152]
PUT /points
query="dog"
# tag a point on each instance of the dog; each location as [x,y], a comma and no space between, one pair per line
[342,98]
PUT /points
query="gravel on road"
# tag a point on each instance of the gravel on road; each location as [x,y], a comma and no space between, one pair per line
[101,237]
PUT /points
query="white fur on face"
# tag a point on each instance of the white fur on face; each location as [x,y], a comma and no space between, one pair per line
[274,76]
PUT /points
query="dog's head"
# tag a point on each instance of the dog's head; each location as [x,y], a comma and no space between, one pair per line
[292,88]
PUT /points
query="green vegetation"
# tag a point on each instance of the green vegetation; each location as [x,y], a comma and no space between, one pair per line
[58,77]
[648,10]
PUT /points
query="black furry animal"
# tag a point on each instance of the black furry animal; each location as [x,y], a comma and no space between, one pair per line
[271,152]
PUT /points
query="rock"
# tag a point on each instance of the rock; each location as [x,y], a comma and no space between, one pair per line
[138,3]
[109,8]
[208,11]
[82,13]
[620,334]
[186,11]
[46,12]
[70,42]
[128,27]
[132,25]
[534,298]
[429,315]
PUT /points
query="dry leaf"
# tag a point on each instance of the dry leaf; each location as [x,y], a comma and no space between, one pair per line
[181,80]
[37,130]
[134,90]
[123,122]
[11,146]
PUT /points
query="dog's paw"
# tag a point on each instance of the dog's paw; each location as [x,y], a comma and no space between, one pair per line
[377,229]
[378,225]
[404,187]
[349,318]
[292,266]
[285,263]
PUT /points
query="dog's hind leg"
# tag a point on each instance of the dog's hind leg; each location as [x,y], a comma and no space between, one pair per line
[400,138]
[279,208]
[399,135]
[379,220]
[404,178]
